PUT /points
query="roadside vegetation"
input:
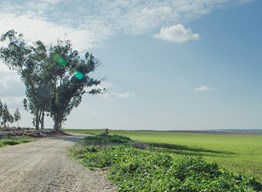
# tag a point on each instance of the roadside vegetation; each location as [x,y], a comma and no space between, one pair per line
[138,166]
[236,153]
[14,140]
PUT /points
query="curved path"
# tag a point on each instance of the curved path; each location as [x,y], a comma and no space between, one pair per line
[44,165]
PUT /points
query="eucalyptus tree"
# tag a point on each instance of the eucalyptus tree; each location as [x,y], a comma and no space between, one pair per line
[69,77]
[17,116]
[26,60]
[1,112]
[56,77]
[6,115]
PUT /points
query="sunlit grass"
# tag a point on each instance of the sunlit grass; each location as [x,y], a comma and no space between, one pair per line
[237,153]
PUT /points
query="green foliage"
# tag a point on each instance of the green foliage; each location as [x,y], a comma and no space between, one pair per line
[106,140]
[235,152]
[1,109]
[17,116]
[6,115]
[14,141]
[134,169]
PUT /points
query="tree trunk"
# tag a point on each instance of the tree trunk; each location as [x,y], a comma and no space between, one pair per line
[58,122]
[58,125]
[37,121]
[43,120]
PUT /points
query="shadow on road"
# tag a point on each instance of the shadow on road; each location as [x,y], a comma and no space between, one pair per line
[73,138]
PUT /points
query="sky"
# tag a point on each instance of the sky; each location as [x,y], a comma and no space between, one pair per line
[167,64]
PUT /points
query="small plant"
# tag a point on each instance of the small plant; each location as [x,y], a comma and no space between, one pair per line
[105,133]
[140,145]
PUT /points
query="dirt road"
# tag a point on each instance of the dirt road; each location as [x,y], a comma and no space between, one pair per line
[44,165]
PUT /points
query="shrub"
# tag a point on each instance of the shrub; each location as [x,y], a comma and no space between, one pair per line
[106,140]
[140,145]
[133,169]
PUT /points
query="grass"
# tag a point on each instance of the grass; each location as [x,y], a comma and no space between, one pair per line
[136,167]
[14,141]
[236,153]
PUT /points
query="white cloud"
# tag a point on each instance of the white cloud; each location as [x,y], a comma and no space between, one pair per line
[177,33]
[203,88]
[7,80]
[34,28]
[13,102]
[109,93]
[11,85]
[89,23]
[119,95]
[4,68]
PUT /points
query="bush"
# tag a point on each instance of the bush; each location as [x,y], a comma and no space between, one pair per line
[133,169]
[106,140]
[140,145]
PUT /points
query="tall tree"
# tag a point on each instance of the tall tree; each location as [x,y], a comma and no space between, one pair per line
[56,77]
[1,111]
[6,116]
[17,116]
[69,80]
[26,60]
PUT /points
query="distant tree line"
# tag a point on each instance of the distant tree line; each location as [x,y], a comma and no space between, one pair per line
[55,77]
[6,116]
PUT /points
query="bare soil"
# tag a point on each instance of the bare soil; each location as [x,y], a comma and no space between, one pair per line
[44,165]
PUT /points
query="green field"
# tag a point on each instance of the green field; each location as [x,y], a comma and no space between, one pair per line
[237,153]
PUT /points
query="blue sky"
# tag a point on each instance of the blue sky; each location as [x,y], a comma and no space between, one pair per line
[170,64]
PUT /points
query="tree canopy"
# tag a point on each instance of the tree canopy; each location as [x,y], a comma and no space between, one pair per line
[55,76]
[17,116]
[1,110]
[6,115]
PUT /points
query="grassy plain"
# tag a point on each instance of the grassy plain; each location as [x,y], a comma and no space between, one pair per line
[236,153]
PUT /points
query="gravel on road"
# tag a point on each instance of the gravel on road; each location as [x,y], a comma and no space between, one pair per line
[44,166]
